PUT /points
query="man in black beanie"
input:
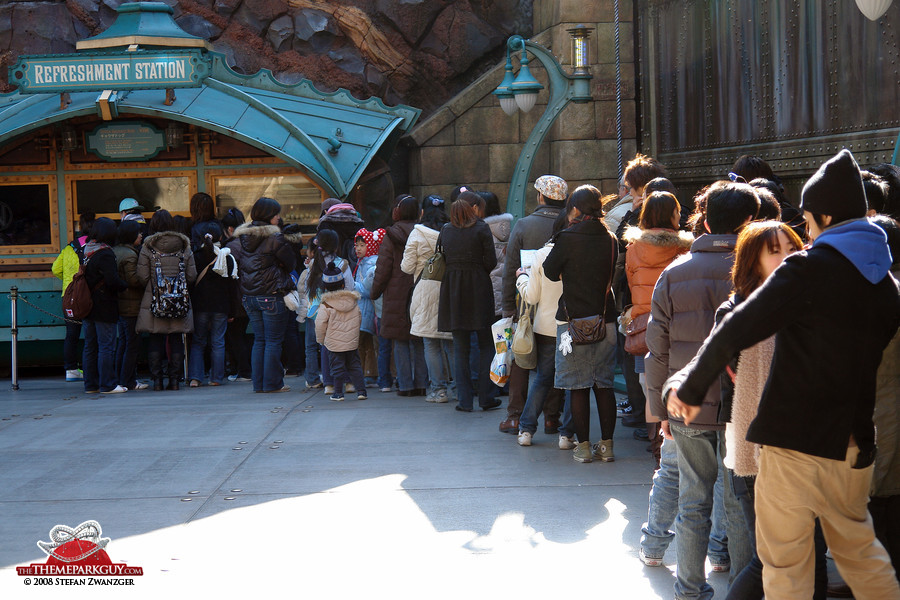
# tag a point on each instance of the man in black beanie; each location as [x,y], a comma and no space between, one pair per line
[832,308]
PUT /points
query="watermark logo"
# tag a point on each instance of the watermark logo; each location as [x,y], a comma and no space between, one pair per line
[77,556]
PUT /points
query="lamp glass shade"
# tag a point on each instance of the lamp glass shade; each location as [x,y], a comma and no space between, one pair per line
[526,101]
[508,104]
[174,136]
[68,141]
[873,9]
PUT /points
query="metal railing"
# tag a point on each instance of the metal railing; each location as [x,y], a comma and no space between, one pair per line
[14,335]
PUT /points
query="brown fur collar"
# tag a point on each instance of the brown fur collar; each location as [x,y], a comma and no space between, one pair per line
[659,237]
[256,230]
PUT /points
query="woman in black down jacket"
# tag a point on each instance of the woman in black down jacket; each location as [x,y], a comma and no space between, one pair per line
[102,276]
[583,257]
[467,296]
[265,260]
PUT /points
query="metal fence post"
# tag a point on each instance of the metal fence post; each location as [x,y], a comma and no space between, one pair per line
[14,336]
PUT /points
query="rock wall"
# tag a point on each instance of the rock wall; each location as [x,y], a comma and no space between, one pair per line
[418,52]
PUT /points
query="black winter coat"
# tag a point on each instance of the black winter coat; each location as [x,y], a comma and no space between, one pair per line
[391,282]
[583,257]
[265,260]
[213,293]
[102,275]
[831,326]
[467,296]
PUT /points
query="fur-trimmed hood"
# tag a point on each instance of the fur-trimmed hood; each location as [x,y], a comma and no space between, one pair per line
[293,238]
[251,236]
[501,226]
[341,300]
[167,242]
[665,238]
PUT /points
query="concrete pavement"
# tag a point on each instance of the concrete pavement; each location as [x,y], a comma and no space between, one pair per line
[221,491]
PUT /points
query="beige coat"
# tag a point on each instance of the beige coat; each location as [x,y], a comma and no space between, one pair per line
[537,289]
[753,369]
[338,320]
[423,308]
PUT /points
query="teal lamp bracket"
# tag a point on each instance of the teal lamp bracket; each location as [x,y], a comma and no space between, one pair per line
[564,88]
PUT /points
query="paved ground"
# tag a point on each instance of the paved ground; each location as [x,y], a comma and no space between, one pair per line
[220,491]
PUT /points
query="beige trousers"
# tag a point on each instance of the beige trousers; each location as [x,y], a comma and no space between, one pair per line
[794,488]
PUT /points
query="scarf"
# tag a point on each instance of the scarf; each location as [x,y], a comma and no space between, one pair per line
[220,265]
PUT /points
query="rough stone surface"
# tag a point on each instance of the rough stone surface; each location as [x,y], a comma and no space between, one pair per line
[280,33]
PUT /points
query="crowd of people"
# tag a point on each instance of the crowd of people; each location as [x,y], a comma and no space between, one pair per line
[757,340]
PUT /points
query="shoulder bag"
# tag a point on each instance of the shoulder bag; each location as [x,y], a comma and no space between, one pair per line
[435,265]
[590,330]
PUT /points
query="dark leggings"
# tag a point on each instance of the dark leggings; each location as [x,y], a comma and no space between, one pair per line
[581,412]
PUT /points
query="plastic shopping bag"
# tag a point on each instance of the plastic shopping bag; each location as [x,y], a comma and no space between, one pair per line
[500,368]
[502,331]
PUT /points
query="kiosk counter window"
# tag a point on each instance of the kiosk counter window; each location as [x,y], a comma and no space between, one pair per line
[300,199]
[102,196]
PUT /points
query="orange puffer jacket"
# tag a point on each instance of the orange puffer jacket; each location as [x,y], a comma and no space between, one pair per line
[649,252]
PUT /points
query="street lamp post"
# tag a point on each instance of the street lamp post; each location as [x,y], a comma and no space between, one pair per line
[521,92]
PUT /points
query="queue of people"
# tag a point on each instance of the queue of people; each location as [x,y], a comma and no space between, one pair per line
[734,320]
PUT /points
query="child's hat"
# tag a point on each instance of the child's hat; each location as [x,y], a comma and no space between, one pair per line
[332,274]
[372,239]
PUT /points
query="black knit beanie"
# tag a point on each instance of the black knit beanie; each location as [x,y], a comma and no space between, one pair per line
[836,189]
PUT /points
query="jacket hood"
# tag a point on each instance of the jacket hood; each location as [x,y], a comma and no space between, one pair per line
[293,238]
[399,232]
[341,213]
[252,236]
[428,233]
[168,242]
[862,243]
[500,225]
[665,238]
[92,247]
[341,300]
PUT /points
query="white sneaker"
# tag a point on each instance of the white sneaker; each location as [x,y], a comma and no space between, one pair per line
[74,375]
[650,561]
[119,389]
[140,385]
[524,438]
[329,390]
[566,443]
[349,388]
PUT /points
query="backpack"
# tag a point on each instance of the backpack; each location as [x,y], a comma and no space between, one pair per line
[77,301]
[169,295]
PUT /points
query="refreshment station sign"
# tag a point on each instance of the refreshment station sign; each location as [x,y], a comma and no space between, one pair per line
[60,73]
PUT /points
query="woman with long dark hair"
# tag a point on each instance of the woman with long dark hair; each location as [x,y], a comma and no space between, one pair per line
[467,297]
[265,261]
[583,257]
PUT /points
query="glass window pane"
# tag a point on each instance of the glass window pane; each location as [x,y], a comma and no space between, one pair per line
[301,201]
[152,193]
[25,215]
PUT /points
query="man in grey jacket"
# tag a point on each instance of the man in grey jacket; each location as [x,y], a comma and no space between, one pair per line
[682,314]
[529,233]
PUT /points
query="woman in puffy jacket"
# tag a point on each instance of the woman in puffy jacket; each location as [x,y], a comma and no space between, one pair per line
[392,283]
[426,295]
[101,275]
[265,261]
[172,251]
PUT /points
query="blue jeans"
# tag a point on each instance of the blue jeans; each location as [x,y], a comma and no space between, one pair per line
[346,368]
[268,317]
[127,348]
[541,383]
[461,352]
[385,378]
[439,360]
[700,454]
[657,531]
[409,360]
[99,357]
[313,372]
[209,328]
[566,426]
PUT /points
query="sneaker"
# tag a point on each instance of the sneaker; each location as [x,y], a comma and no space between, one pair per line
[337,398]
[650,561]
[315,386]
[140,385]
[622,404]
[195,383]
[329,389]
[583,452]
[349,388]
[566,443]
[238,378]
[119,389]
[603,451]
[524,438]
[441,397]
[386,390]
[720,567]
[362,397]
[74,375]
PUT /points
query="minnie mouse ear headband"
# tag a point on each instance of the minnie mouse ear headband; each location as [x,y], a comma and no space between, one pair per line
[552,187]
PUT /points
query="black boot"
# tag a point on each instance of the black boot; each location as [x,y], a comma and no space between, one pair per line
[176,365]
[155,360]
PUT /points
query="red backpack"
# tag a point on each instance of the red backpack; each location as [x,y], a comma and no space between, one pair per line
[77,302]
